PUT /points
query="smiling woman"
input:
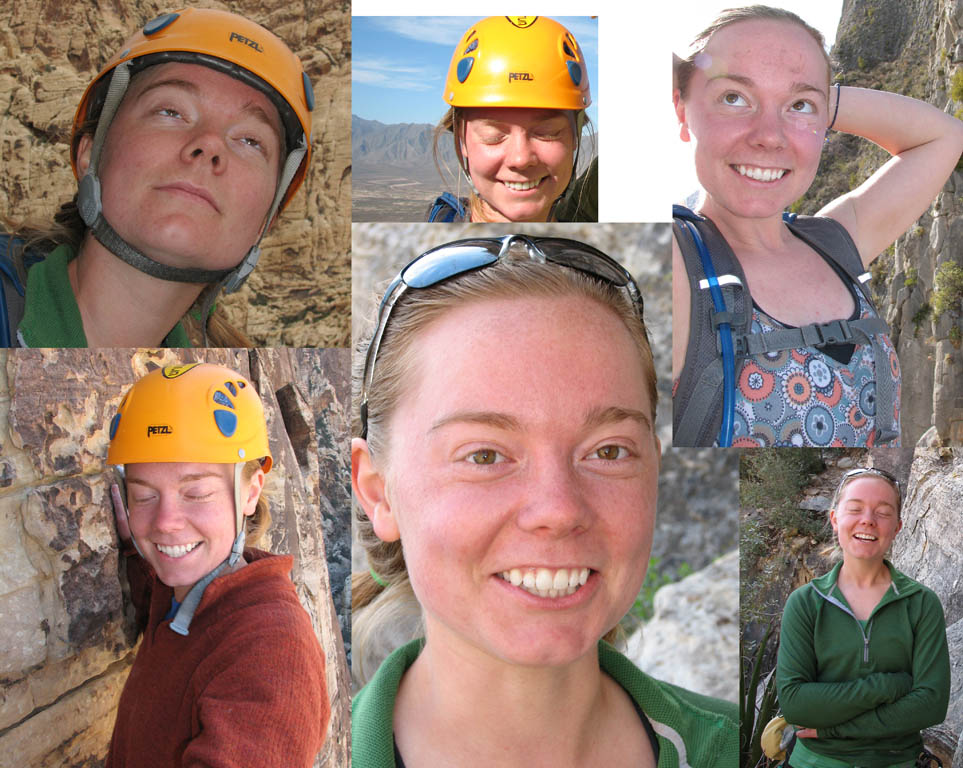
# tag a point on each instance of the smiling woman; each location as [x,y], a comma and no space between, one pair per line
[863,661]
[187,146]
[229,665]
[518,89]
[506,471]
[775,338]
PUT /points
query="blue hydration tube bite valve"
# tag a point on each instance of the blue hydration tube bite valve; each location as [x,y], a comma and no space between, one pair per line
[725,330]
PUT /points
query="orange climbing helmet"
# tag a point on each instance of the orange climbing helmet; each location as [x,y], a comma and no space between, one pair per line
[225,42]
[518,61]
[198,412]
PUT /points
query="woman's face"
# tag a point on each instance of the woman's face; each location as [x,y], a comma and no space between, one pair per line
[866,519]
[756,110]
[190,165]
[182,517]
[520,160]
[523,448]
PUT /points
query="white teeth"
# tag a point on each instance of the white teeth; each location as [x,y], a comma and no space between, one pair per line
[177,551]
[864,537]
[545,582]
[761,174]
[521,186]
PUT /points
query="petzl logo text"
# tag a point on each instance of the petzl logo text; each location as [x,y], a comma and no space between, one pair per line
[159,429]
[246,41]
[520,76]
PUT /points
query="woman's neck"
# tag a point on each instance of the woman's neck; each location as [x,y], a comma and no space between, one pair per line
[459,706]
[121,306]
[746,235]
[864,574]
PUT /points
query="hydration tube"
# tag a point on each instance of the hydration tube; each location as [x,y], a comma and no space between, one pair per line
[685,217]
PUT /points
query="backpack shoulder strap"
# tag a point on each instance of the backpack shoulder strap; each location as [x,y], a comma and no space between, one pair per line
[697,400]
[830,238]
[447,209]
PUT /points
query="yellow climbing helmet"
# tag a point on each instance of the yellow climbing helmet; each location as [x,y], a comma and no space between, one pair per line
[518,61]
[198,412]
[225,42]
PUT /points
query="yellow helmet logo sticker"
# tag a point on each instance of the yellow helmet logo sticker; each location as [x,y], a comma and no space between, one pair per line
[173,371]
[522,21]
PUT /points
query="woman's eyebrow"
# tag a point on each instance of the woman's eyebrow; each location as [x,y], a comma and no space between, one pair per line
[486,418]
[796,87]
[613,414]
[255,110]
[597,417]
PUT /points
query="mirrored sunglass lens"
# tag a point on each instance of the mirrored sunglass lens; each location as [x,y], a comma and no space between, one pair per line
[439,265]
[568,255]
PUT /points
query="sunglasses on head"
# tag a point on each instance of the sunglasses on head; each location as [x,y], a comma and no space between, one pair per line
[874,471]
[461,256]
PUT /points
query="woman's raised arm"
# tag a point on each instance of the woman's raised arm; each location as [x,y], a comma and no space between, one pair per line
[926,145]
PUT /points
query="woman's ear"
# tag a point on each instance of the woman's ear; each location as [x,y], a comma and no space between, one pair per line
[369,489]
[83,154]
[254,488]
[679,103]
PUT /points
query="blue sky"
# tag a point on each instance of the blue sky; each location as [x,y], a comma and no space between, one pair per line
[399,63]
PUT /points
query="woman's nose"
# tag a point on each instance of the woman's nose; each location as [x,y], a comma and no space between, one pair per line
[206,146]
[556,504]
[521,150]
[768,130]
[168,516]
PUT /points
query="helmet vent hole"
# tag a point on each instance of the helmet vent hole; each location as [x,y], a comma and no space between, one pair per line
[567,48]
[471,47]
[231,388]
[221,399]
[114,423]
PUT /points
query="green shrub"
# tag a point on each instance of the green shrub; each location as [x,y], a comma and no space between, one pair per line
[956,86]
[912,277]
[947,288]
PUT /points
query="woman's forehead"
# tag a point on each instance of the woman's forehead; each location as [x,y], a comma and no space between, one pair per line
[501,343]
[764,46]
[868,486]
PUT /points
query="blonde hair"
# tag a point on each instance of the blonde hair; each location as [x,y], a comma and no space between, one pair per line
[375,605]
[682,69]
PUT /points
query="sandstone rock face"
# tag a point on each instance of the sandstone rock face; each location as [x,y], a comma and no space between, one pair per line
[693,638]
[66,630]
[929,549]
[912,48]
[299,293]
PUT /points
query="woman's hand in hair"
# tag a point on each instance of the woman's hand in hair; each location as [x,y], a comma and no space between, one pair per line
[120,516]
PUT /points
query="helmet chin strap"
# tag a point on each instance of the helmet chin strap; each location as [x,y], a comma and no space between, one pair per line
[90,205]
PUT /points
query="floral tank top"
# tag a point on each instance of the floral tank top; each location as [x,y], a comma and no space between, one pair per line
[806,397]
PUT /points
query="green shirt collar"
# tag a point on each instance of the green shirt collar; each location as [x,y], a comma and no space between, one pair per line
[52,317]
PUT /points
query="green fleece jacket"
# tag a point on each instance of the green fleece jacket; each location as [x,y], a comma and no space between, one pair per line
[691,729]
[866,687]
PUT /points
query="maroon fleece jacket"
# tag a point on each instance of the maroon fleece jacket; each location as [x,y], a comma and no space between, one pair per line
[245,688]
